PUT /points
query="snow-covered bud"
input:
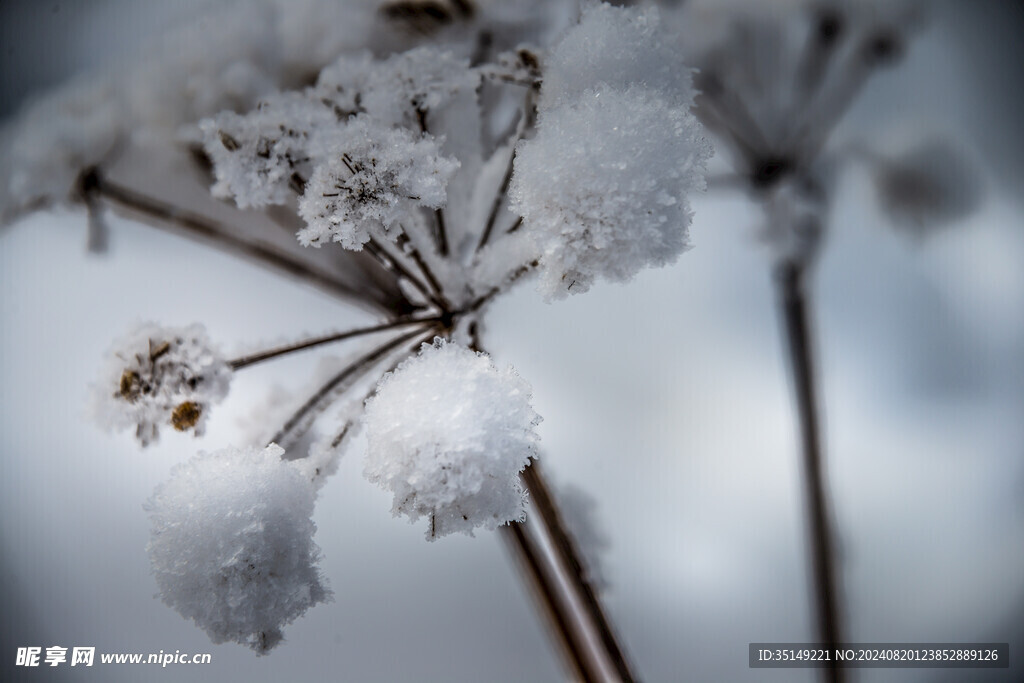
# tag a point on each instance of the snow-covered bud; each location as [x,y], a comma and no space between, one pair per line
[232,546]
[448,433]
[603,186]
[373,177]
[160,376]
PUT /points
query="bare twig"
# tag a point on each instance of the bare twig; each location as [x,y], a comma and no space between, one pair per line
[440,232]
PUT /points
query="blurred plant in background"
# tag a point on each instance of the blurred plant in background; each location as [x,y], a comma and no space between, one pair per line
[773,86]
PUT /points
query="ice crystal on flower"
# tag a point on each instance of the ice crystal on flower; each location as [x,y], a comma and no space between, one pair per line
[232,544]
[406,86]
[399,90]
[448,434]
[603,186]
[258,157]
[373,176]
[160,376]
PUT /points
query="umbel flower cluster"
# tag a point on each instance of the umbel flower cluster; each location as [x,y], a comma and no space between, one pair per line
[416,183]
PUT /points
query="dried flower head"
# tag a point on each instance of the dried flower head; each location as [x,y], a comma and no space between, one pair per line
[160,376]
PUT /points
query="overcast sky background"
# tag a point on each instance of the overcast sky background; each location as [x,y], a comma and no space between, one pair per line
[666,399]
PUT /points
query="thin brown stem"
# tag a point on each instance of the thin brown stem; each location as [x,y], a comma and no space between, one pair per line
[562,587]
[391,263]
[414,254]
[203,227]
[279,351]
[528,121]
[821,535]
[440,232]
[546,591]
[565,548]
[350,373]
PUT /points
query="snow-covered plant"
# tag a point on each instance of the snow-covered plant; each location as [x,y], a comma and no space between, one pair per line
[773,88]
[157,376]
[232,546]
[448,433]
[448,160]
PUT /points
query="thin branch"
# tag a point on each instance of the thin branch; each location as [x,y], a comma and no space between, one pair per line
[350,372]
[202,226]
[790,283]
[406,245]
[391,263]
[279,351]
[565,548]
[527,123]
[478,303]
[573,608]
[440,232]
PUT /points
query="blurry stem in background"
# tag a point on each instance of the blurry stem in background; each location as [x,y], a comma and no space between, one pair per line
[790,280]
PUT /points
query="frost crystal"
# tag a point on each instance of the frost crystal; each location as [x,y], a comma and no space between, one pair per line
[406,86]
[374,175]
[619,48]
[232,546]
[448,433]
[258,157]
[602,187]
[161,376]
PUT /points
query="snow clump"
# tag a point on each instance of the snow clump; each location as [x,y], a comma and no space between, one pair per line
[448,433]
[232,544]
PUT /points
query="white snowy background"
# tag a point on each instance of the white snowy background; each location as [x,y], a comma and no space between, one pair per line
[666,399]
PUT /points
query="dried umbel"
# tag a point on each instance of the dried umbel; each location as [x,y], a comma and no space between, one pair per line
[160,376]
